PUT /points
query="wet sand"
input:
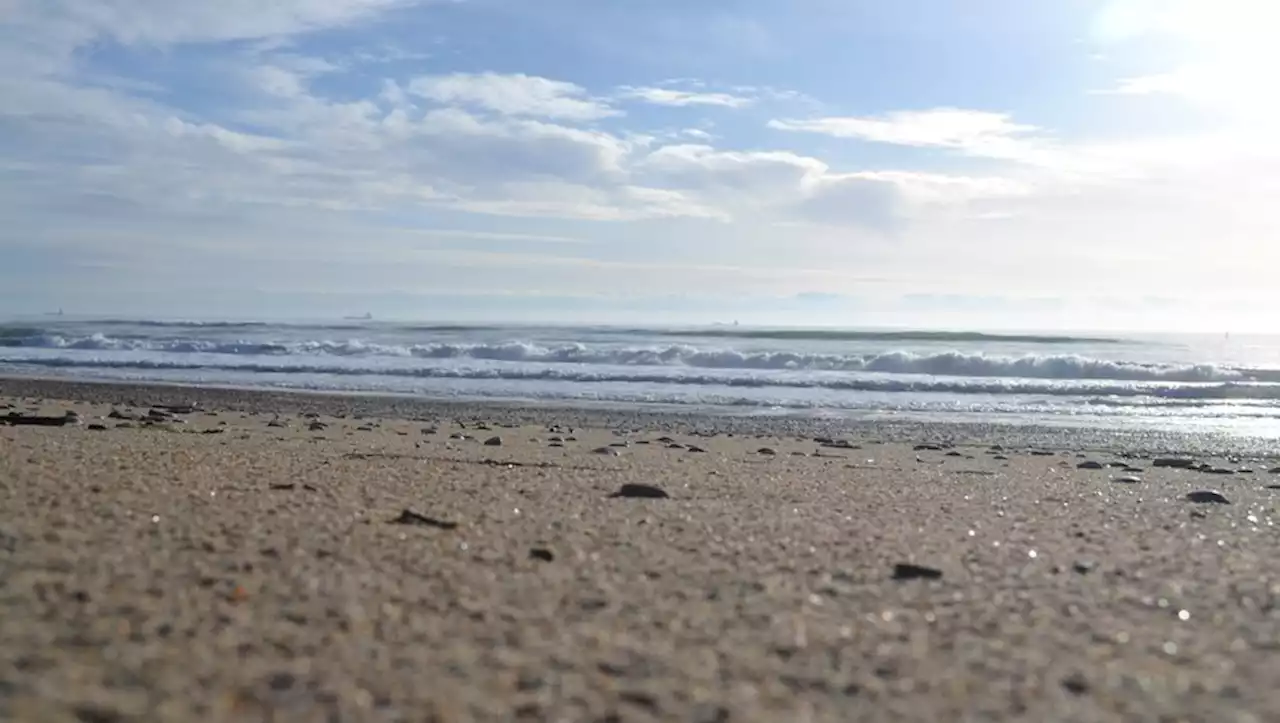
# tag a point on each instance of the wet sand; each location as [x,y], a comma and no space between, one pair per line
[262,558]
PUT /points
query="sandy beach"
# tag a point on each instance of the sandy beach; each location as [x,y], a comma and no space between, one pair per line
[172,554]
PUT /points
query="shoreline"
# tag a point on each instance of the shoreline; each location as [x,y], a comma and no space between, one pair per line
[606,415]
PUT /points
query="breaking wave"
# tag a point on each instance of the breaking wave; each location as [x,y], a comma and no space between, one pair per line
[950,363]
[1055,388]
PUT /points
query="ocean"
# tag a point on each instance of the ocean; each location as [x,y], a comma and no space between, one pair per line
[1205,383]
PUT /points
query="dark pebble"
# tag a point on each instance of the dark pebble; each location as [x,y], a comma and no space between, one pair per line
[1090,465]
[409,517]
[97,427]
[767,451]
[493,442]
[1207,497]
[908,571]
[1173,462]
[541,553]
[641,491]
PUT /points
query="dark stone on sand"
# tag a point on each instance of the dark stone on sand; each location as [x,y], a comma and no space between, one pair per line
[1274,470]
[317,426]
[666,440]
[276,423]
[620,444]
[926,448]
[214,430]
[409,517]
[1041,453]
[1084,567]
[556,438]
[641,491]
[693,448]
[953,453]
[675,445]
[1090,465]
[909,571]
[97,427]
[1207,497]
[493,442]
[767,451]
[1173,462]
[607,451]
[556,444]
[541,553]
[1076,684]
[1128,480]
[1133,469]
[18,420]
[1001,458]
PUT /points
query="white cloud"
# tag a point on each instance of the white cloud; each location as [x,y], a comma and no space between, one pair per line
[940,127]
[683,98]
[516,95]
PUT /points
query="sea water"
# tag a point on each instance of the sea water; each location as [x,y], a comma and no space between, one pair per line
[1212,383]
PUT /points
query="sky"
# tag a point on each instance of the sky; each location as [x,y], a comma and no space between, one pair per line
[1085,164]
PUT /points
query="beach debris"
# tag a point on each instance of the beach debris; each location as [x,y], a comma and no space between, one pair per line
[213,430]
[556,438]
[666,440]
[1127,479]
[1076,684]
[910,571]
[97,427]
[641,491]
[953,453]
[926,448]
[317,426]
[1041,453]
[623,444]
[1173,462]
[767,452]
[459,436]
[1000,458]
[1132,469]
[1274,470]
[178,408]
[541,553]
[1216,470]
[17,420]
[1084,567]
[493,442]
[409,517]
[1207,497]
[695,448]
[606,451]
[277,423]
[1091,464]
[290,486]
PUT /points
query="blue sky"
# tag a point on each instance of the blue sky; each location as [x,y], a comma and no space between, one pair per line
[993,163]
